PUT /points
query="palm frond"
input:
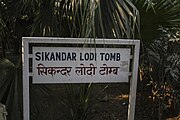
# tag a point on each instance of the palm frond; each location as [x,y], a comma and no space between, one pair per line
[84,18]
[169,10]
[10,89]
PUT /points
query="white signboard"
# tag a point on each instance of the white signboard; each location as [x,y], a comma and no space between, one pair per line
[80,65]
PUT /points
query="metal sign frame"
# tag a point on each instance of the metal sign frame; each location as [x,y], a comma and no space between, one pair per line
[26,41]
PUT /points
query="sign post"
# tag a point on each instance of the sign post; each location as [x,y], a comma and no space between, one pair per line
[52,62]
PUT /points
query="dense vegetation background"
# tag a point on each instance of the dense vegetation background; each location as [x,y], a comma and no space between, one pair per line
[155,22]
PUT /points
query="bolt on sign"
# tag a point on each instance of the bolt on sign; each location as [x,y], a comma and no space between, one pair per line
[58,60]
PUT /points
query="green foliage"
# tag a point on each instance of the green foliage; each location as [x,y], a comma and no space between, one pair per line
[68,18]
[161,67]
[78,100]
[96,19]
[11,89]
[77,18]
[155,13]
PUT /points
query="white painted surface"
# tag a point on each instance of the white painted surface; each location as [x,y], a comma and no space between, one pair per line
[133,82]
[25,64]
[134,44]
[64,65]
